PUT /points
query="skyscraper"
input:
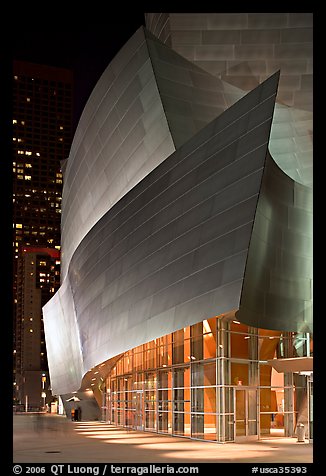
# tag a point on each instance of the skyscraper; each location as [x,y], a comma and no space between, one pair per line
[42,129]
[38,276]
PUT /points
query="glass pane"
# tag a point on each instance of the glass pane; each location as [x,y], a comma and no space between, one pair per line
[164,379]
[223,372]
[196,332]
[210,373]
[138,360]
[138,404]
[197,376]
[150,422]
[128,362]
[229,400]
[164,395]
[197,403]
[210,427]
[240,412]
[150,358]
[187,426]
[239,346]
[178,423]
[226,428]
[178,394]
[252,412]
[150,380]
[209,338]
[197,426]
[178,376]
[178,347]
[129,417]
[165,422]
[150,403]
[210,400]
[239,373]
[164,405]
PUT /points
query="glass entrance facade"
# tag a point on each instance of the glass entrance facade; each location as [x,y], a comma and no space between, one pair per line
[209,381]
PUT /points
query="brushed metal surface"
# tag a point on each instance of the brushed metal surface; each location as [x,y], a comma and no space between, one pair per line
[175,245]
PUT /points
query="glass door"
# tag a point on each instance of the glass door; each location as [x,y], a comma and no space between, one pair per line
[245,413]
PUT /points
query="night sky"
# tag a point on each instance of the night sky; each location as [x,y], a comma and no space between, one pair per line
[86,49]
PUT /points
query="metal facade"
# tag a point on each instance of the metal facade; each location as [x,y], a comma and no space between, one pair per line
[243,49]
[147,103]
[172,249]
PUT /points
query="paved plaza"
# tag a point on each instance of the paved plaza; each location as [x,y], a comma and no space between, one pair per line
[55,439]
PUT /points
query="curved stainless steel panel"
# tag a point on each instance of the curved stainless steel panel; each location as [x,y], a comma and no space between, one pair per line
[277,289]
[172,251]
[148,102]
[243,49]
[62,341]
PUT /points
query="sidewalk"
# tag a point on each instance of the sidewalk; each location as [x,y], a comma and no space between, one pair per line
[55,439]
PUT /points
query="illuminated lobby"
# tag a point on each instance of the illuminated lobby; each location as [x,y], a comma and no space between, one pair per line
[210,381]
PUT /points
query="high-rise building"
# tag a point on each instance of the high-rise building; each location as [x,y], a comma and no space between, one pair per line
[38,277]
[42,129]
[185,304]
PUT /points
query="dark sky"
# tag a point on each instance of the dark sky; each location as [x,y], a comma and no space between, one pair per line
[86,49]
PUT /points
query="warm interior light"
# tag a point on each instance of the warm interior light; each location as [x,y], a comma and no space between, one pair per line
[207,327]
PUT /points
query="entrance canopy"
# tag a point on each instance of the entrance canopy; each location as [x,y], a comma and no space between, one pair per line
[297,364]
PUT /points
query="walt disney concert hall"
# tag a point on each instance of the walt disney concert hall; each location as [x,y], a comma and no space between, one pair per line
[185,305]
